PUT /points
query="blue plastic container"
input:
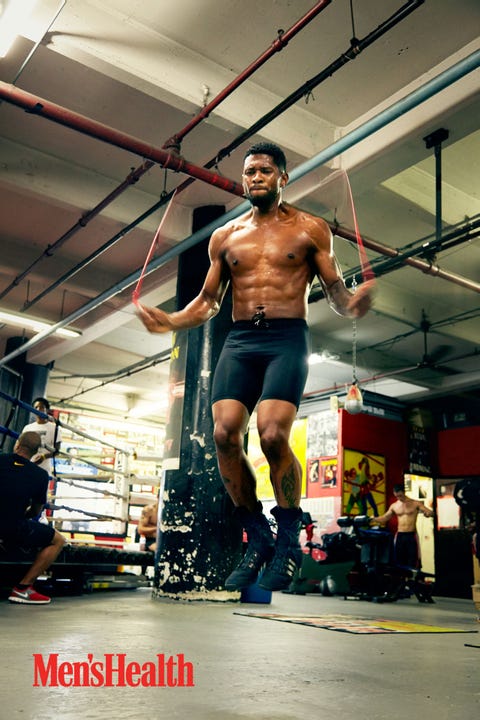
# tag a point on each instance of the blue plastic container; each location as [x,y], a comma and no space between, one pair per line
[255,594]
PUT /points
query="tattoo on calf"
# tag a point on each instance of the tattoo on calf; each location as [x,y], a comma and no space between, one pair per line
[288,486]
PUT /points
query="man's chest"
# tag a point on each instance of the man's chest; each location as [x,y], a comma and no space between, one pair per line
[272,247]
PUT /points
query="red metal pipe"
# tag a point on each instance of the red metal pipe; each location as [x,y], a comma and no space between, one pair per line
[38,106]
[372,378]
[278,44]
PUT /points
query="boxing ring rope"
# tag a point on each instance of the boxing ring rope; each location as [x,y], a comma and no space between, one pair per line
[119,475]
[44,416]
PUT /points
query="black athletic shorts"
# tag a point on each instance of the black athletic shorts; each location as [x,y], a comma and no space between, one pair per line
[406,550]
[268,363]
[29,535]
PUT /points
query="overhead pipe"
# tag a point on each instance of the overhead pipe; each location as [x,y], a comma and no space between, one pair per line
[326,392]
[63,116]
[39,42]
[462,232]
[81,223]
[356,46]
[278,44]
[425,266]
[415,98]
[96,253]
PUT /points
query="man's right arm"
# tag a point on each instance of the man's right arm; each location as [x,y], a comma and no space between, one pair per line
[203,307]
[383,519]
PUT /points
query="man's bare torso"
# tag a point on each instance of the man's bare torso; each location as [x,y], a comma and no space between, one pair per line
[270,263]
[406,513]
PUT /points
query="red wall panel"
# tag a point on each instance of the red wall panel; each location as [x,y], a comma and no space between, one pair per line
[459,451]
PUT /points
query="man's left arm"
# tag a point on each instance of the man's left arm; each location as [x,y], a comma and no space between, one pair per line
[428,512]
[340,299]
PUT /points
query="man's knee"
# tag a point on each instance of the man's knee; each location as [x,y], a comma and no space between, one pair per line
[58,540]
[274,442]
[227,439]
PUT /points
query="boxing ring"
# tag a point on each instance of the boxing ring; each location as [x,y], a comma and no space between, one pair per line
[98,550]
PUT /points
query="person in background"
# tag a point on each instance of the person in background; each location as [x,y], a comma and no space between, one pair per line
[406,510]
[50,435]
[270,255]
[147,526]
[23,489]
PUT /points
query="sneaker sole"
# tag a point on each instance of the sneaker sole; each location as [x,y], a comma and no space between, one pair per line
[276,587]
[21,601]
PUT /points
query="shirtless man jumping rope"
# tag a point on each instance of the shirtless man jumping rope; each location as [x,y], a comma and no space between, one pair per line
[271,255]
[406,510]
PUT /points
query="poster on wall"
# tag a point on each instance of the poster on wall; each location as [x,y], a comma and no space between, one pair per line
[364,482]
[322,477]
[298,443]
[322,438]
[419,450]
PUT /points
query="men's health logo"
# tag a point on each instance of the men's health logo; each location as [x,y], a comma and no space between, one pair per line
[112,670]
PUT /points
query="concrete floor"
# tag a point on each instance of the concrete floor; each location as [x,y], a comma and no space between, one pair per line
[244,668]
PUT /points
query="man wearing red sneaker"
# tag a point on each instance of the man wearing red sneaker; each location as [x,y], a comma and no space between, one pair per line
[23,489]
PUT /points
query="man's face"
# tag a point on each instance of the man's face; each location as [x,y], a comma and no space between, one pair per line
[41,408]
[262,180]
[400,495]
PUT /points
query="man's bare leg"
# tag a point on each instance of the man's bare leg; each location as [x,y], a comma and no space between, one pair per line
[44,559]
[230,424]
[274,420]
[230,419]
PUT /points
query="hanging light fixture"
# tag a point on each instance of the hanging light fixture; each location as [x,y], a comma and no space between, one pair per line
[33,324]
[13,14]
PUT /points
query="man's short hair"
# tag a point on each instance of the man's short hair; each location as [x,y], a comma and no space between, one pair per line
[42,400]
[30,441]
[400,487]
[267,148]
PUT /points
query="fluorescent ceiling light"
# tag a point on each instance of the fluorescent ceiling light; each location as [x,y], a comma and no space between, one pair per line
[324,357]
[13,14]
[34,324]
[149,409]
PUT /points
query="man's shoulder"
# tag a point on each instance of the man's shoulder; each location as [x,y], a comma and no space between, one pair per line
[231,226]
[6,459]
[19,463]
[314,225]
[303,215]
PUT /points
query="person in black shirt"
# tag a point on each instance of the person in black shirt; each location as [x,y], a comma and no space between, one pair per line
[23,490]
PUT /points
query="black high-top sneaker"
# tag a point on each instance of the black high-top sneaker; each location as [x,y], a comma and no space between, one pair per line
[288,554]
[259,549]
